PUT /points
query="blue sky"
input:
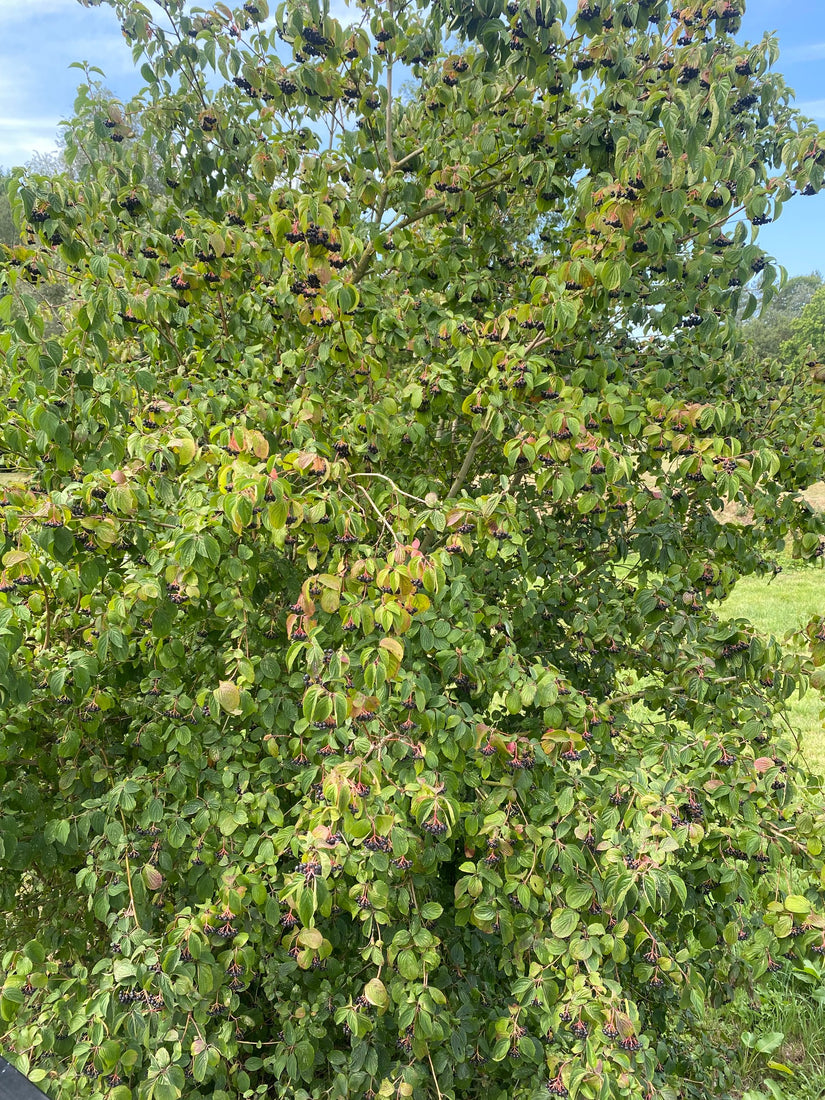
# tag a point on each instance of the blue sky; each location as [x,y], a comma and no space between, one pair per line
[40,38]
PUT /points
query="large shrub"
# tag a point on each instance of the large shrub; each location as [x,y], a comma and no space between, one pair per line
[367,727]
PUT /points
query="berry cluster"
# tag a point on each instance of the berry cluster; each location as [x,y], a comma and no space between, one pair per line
[315,43]
[378,843]
[153,1001]
[743,103]
[434,825]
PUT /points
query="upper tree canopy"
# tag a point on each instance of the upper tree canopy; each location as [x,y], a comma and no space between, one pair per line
[367,725]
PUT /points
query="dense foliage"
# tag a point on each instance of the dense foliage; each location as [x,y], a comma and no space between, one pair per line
[367,725]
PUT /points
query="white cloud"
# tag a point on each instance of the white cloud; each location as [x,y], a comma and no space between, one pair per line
[14,11]
[809,51]
[24,130]
[29,123]
[39,39]
[106,51]
[21,139]
[813,108]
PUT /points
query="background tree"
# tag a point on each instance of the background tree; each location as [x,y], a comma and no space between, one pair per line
[48,164]
[806,341]
[367,725]
[8,233]
[768,331]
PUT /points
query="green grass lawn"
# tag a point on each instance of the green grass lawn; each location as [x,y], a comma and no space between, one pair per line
[778,606]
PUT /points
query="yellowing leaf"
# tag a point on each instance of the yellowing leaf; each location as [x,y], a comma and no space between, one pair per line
[185,448]
[393,646]
[228,697]
[310,937]
[396,651]
[376,993]
[795,903]
[330,600]
[152,877]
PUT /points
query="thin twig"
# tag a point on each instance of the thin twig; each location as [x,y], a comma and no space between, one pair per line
[379,513]
[461,476]
[713,225]
[223,315]
[384,477]
[410,156]
[388,119]
[129,876]
[435,1079]
[48,632]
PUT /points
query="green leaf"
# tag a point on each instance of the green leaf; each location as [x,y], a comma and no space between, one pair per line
[563,922]
[431,910]
[177,833]
[306,907]
[501,1050]
[587,502]
[783,926]
[305,1055]
[578,895]
[36,952]
[796,903]
[99,266]
[769,1042]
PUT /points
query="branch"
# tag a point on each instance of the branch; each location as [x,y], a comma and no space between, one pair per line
[410,156]
[389,479]
[363,264]
[132,905]
[379,513]
[48,631]
[388,119]
[460,477]
[433,208]
[223,315]
[162,328]
[382,205]
[462,474]
[518,477]
[435,1078]
[713,225]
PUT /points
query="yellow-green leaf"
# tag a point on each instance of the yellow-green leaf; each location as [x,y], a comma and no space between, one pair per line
[228,697]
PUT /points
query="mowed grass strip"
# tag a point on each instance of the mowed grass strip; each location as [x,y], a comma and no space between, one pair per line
[778,606]
[792,1005]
